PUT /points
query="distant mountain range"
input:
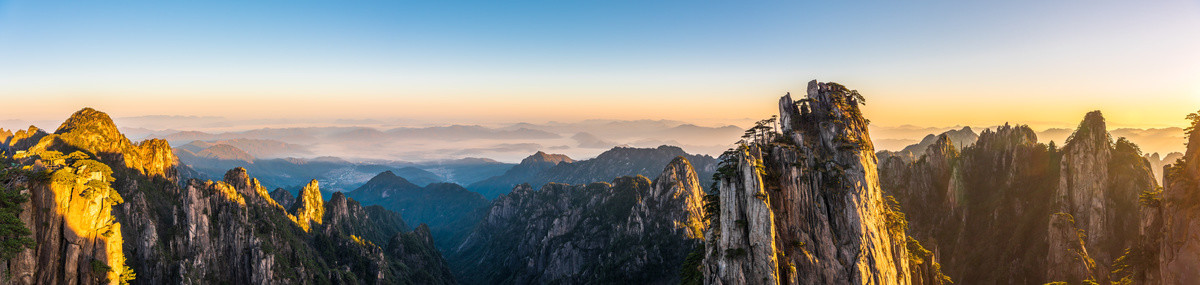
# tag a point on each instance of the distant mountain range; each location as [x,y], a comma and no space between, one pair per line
[392,140]
[452,210]
[542,168]
[211,159]
[253,147]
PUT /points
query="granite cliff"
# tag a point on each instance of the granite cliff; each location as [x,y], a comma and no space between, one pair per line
[632,230]
[804,205]
[1008,209]
[1170,228]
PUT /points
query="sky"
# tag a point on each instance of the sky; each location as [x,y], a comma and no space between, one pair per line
[922,63]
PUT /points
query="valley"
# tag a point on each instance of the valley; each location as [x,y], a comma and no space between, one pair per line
[802,198]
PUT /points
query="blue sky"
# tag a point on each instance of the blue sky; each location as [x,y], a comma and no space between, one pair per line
[925,63]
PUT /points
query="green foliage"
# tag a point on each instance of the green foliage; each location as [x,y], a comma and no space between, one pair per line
[917,254]
[1123,145]
[78,155]
[735,252]
[127,276]
[896,222]
[14,236]
[625,194]
[1195,119]
[88,165]
[1175,171]
[1151,198]
[41,175]
[690,273]
[99,268]
[712,208]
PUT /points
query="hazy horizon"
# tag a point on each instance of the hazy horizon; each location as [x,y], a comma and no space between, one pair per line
[601,135]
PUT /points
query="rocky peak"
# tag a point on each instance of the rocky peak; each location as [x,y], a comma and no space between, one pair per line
[1098,187]
[388,178]
[678,187]
[250,188]
[383,185]
[941,149]
[812,204]
[26,138]
[5,136]
[545,158]
[1006,137]
[678,173]
[309,206]
[93,131]
[1092,132]
[337,209]
[238,178]
[422,232]
[1084,177]
[283,197]
[90,122]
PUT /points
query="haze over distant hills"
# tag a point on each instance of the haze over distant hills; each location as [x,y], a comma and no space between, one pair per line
[412,140]
[1151,140]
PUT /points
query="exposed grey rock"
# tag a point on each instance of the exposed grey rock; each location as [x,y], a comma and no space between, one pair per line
[808,211]
[633,231]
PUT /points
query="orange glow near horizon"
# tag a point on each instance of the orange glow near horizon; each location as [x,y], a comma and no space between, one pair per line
[886,106]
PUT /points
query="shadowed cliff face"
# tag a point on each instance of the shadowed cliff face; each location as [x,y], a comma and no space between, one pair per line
[1008,209]
[1096,202]
[632,230]
[449,209]
[1179,207]
[806,207]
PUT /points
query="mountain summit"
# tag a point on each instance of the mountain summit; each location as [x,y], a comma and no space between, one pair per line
[804,205]
[93,131]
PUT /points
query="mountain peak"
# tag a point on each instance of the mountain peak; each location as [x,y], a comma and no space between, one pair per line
[677,179]
[543,157]
[309,207]
[89,120]
[388,178]
[226,152]
[93,131]
[1091,129]
[238,177]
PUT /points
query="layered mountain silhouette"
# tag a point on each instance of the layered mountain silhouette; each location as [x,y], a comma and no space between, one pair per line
[449,209]
[541,168]
[212,159]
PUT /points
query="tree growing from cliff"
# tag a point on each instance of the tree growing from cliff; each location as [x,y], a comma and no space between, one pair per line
[14,236]
[1195,119]
[1176,169]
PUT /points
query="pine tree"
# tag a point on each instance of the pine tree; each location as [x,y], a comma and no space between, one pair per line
[14,236]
